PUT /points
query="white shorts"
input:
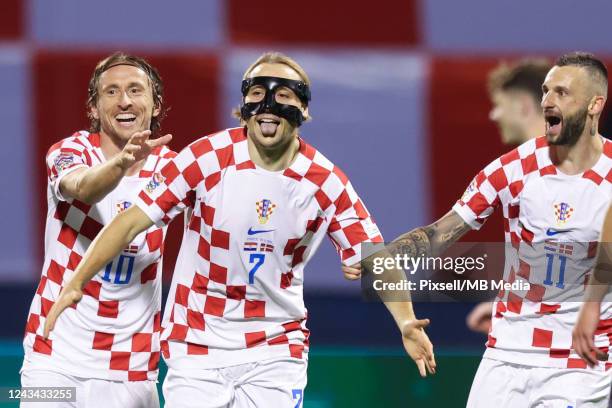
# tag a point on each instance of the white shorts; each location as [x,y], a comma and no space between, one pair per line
[92,392]
[503,385]
[268,383]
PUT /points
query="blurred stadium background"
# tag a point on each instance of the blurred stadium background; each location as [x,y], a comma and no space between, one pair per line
[399,102]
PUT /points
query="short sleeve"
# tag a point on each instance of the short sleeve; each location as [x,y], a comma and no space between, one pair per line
[170,191]
[351,226]
[62,159]
[481,196]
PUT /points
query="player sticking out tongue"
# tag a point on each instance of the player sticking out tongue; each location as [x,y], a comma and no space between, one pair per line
[268,95]
[268,126]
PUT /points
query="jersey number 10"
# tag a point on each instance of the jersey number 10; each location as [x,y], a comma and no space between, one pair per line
[122,271]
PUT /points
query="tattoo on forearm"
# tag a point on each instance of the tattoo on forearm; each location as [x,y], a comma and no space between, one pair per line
[421,241]
[453,235]
[413,243]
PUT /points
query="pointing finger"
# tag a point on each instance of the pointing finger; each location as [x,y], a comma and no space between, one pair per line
[160,141]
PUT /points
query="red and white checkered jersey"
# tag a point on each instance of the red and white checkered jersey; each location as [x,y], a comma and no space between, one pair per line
[113,332]
[552,222]
[236,295]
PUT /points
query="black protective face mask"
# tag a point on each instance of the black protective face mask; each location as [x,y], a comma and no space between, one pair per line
[269,105]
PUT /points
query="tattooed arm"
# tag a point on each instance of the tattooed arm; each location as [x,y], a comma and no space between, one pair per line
[399,304]
[431,240]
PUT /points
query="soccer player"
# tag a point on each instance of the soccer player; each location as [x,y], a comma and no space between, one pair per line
[515,91]
[108,345]
[590,312]
[552,189]
[589,318]
[259,200]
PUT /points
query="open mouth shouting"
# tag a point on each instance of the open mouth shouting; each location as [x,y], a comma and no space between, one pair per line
[268,124]
[125,120]
[554,123]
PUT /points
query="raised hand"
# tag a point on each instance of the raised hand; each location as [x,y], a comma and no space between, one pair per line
[418,346]
[139,146]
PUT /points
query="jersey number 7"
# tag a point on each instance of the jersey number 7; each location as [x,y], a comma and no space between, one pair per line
[258,260]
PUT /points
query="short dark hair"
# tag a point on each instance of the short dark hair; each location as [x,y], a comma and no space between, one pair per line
[524,75]
[588,61]
[120,58]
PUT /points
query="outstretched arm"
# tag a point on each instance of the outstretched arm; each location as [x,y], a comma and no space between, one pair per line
[107,245]
[415,340]
[431,240]
[598,287]
[92,184]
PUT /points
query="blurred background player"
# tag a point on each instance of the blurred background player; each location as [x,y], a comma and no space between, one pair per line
[515,91]
[516,94]
[108,345]
[551,188]
[260,200]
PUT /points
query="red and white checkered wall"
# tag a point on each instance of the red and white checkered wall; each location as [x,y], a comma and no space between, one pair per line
[399,97]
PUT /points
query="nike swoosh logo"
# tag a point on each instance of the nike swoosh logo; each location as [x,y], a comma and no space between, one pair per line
[251,231]
[550,232]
